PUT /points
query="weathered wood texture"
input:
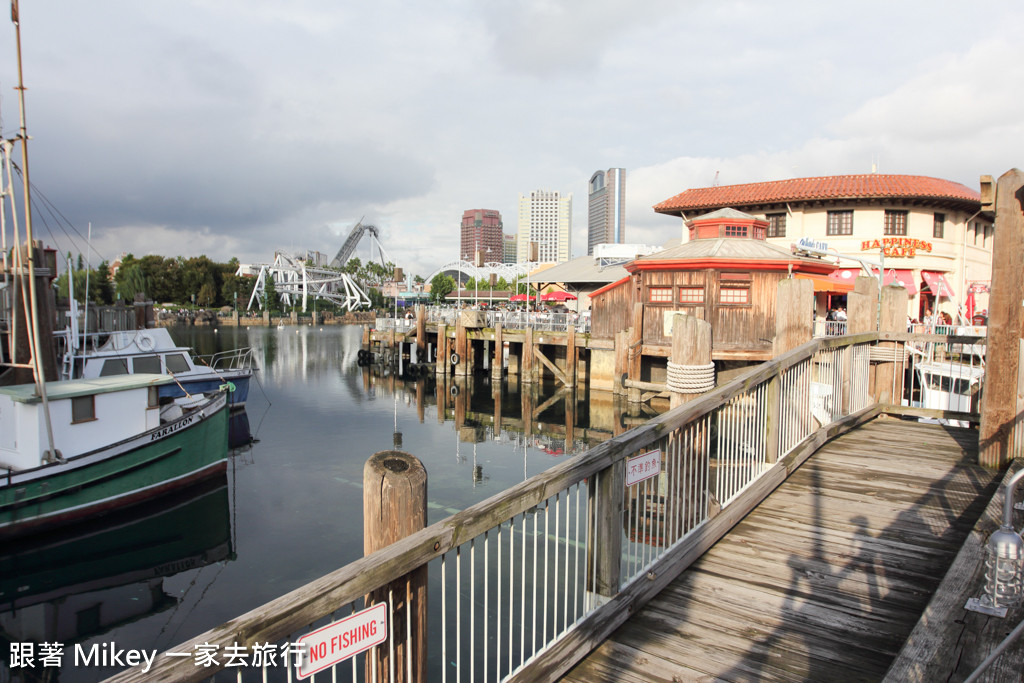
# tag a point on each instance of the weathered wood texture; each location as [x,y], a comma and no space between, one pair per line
[1005,316]
[949,642]
[395,506]
[612,310]
[825,579]
[691,345]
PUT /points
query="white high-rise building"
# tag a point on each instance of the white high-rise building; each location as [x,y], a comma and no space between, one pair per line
[606,208]
[545,217]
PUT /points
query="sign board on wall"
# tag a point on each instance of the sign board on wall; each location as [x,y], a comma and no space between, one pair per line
[343,639]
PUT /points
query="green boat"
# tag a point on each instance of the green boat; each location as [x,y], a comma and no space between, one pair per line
[115,445]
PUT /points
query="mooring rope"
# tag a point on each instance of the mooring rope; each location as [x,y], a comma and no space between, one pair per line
[690,379]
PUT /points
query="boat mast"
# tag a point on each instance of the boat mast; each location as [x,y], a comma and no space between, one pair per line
[34,343]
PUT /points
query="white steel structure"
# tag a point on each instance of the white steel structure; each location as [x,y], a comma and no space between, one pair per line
[294,277]
[293,280]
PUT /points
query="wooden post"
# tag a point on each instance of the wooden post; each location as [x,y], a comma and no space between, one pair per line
[526,372]
[499,353]
[421,333]
[441,348]
[862,316]
[794,314]
[999,400]
[892,318]
[395,506]
[604,547]
[636,345]
[461,349]
[794,325]
[570,355]
[691,345]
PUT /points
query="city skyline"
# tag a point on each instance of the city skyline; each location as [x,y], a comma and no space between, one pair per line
[606,208]
[235,129]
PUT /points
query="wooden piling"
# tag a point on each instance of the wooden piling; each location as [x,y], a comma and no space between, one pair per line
[526,372]
[999,402]
[892,318]
[691,345]
[499,353]
[395,506]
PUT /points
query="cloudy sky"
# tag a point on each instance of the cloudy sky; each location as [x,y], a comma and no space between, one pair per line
[237,127]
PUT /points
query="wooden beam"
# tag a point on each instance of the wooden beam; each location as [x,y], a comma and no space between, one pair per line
[999,401]
[551,366]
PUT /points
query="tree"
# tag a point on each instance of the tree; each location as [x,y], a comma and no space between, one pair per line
[131,281]
[441,286]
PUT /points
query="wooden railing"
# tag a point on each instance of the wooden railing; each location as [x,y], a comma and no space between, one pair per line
[527,582]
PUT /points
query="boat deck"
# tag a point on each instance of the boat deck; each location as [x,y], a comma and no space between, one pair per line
[826,579]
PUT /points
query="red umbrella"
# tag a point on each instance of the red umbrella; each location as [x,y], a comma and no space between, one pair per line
[519,297]
[558,296]
[970,306]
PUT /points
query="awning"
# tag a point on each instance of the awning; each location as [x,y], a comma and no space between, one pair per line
[904,277]
[937,284]
[823,283]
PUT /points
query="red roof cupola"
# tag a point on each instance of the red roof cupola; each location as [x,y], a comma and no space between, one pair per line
[727,223]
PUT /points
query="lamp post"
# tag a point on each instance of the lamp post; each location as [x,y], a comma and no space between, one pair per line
[476,274]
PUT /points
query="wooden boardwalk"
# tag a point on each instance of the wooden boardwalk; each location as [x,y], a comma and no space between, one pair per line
[826,579]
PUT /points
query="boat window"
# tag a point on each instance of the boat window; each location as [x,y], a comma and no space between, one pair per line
[83,408]
[114,366]
[176,362]
[146,364]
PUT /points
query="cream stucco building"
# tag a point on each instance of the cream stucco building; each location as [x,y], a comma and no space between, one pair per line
[930,234]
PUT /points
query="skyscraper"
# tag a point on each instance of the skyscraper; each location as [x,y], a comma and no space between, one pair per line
[481,230]
[545,217]
[606,208]
[510,249]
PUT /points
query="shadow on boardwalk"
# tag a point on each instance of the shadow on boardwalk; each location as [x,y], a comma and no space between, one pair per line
[826,579]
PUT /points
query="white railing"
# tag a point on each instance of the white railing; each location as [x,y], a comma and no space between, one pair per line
[521,582]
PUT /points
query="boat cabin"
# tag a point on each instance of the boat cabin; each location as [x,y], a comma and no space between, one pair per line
[85,414]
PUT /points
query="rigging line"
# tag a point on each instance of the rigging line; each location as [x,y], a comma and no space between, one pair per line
[48,207]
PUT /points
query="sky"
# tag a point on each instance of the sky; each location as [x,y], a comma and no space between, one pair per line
[235,128]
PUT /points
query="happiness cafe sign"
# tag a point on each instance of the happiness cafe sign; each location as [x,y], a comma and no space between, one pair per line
[896,246]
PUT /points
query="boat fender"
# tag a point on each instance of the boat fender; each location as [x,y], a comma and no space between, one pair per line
[230,386]
[454,359]
[144,341]
[455,390]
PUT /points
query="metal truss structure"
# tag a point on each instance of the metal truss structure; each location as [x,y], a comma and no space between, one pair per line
[294,280]
[509,271]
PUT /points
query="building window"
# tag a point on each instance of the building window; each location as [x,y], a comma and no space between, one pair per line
[940,226]
[83,408]
[691,295]
[660,295]
[895,222]
[734,295]
[776,224]
[735,231]
[840,223]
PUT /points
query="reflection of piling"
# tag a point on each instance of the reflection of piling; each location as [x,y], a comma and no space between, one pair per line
[395,506]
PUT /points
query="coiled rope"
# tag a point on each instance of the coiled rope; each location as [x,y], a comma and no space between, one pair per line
[690,379]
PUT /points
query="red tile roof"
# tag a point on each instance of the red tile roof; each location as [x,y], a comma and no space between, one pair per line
[867,186]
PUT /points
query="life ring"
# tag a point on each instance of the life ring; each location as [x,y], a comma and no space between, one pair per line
[144,341]
[454,359]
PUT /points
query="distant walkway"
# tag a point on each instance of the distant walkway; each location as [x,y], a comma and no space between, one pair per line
[825,580]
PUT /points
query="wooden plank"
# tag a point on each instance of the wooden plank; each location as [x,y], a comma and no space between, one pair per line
[815,587]
[949,642]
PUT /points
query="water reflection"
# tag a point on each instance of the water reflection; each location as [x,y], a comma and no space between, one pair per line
[313,418]
[86,581]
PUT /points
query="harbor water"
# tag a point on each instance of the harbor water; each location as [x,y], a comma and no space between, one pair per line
[289,508]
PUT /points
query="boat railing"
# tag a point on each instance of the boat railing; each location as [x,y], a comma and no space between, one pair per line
[523,584]
[234,359]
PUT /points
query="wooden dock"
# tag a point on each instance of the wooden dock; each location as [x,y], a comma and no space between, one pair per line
[826,579]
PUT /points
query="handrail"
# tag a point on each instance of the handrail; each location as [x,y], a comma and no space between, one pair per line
[788,409]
